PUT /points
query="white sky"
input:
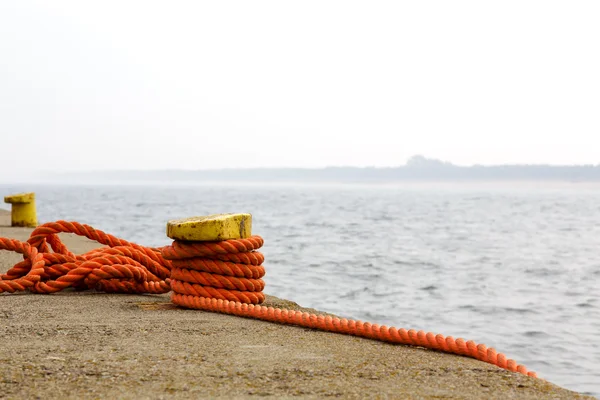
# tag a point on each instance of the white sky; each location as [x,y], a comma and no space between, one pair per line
[173,84]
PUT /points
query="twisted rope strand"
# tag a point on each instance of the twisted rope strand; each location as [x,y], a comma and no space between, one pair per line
[221,267]
[218,281]
[180,250]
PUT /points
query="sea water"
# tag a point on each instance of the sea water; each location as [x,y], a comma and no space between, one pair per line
[514,266]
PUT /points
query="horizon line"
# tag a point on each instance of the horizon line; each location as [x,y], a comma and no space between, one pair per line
[447,165]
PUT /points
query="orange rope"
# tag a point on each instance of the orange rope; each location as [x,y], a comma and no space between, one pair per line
[220,277]
[122,267]
[199,270]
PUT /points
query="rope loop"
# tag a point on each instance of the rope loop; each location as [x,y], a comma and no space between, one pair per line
[49,267]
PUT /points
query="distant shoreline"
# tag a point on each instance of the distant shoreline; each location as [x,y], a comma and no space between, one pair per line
[355,175]
[417,169]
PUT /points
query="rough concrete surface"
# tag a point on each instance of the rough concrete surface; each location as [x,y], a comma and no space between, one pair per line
[95,345]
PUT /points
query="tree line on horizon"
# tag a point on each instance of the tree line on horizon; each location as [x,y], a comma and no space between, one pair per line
[418,168]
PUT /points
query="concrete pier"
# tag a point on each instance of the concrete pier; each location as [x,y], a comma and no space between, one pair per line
[95,345]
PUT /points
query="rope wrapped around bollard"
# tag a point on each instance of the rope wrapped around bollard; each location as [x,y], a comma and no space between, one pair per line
[226,270]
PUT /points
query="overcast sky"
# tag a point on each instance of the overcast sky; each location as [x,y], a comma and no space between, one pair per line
[143,85]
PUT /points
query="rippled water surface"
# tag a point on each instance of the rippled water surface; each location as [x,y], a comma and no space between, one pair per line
[516,267]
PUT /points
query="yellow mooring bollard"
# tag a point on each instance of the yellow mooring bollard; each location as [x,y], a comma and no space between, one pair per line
[216,227]
[23,209]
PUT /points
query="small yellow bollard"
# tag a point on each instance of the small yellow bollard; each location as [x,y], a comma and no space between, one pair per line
[211,228]
[23,209]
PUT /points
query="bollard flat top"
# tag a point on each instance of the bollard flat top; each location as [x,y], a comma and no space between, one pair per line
[20,198]
[209,228]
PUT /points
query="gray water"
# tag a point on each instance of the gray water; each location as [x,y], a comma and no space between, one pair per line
[513,266]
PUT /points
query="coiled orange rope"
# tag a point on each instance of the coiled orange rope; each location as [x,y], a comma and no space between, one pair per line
[221,277]
[122,267]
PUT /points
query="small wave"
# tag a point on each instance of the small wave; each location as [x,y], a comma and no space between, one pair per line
[379,218]
[519,310]
[427,264]
[420,264]
[496,310]
[366,276]
[388,294]
[566,229]
[558,348]
[353,224]
[587,304]
[572,294]
[429,288]
[544,272]
[375,316]
[539,362]
[353,293]
[323,224]
[536,334]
